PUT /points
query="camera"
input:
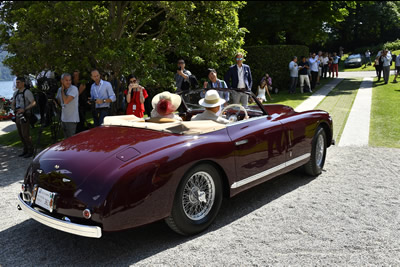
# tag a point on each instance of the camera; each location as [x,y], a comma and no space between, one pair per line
[21,117]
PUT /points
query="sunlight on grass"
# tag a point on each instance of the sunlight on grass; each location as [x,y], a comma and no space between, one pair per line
[293,100]
[339,102]
[385,114]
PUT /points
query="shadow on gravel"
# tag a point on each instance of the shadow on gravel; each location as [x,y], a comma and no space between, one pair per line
[8,162]
[31,243]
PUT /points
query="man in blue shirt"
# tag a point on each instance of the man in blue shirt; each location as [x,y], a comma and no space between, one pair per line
[103,94]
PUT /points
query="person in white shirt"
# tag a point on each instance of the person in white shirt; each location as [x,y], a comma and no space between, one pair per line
[387,58]
[212,102]
[294,74]
[314,62]
[367,58]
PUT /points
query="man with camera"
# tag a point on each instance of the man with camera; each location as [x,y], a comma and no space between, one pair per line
[182,77]
[68,98]
[23,102]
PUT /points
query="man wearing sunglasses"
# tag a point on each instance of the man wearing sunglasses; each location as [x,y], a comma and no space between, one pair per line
[239,76]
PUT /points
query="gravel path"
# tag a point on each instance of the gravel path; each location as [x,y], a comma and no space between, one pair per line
[348,216]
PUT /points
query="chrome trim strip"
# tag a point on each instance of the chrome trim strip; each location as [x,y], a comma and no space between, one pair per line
[244,121]
[72,228]
[269,171]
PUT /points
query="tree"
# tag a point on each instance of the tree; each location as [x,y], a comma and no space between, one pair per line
[143,37]
[367,25]
[291,22]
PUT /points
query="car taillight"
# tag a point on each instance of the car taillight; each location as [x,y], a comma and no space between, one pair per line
[34,192]
[87,214]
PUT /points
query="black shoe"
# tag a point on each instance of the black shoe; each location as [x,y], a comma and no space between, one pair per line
[23,154]
[29,155]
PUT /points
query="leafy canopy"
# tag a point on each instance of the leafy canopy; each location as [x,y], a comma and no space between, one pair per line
[141,37]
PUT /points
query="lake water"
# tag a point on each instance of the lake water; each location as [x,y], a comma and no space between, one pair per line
[6,89]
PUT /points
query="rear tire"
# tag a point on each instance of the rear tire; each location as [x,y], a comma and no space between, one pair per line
[197,201]
[318,153]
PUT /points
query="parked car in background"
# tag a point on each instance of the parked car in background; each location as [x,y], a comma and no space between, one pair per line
[130,171]
[355,60]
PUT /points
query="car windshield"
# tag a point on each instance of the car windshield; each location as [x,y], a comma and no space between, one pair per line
[192,98]
[354,56]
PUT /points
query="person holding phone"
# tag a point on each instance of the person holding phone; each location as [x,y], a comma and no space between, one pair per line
[135,96]
[182,77]
[68,98]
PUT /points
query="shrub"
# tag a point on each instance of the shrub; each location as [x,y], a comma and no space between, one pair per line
[274,60]
[395,45]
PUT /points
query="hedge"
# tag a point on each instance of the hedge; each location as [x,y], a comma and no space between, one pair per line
[274,60]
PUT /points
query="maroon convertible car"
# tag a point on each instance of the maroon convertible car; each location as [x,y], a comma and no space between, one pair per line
[129,172]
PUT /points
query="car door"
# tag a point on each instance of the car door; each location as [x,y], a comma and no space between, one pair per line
[299,132]
[260,146]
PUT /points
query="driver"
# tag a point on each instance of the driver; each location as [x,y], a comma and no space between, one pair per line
[212,102]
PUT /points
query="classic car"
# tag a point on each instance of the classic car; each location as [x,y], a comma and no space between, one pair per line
[355,60]
[131,172]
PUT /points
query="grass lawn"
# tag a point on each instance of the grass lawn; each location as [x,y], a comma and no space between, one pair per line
[12,138]
[293,100]
[339,102]
[385,114]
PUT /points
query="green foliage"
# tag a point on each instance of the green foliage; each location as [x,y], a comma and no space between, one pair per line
[274,60]
[392,45]
[291,22]
[369,24]
[141,37]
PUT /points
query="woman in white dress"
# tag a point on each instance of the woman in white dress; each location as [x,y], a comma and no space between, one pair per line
[262,89]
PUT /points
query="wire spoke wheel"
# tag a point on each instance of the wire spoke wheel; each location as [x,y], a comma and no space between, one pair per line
[197,200]
[198,196]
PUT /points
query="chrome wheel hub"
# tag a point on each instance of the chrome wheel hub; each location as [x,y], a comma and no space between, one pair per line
[319,150]
[198,196]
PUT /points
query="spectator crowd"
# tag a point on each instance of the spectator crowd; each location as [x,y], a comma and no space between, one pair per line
[75,96]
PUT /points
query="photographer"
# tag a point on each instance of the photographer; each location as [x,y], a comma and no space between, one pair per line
[182,77]
[23,102]
[135,96]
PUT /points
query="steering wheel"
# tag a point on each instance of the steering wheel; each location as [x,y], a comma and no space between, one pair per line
[234,117]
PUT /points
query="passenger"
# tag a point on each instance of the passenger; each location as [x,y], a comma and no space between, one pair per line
[165,104]
[212,102]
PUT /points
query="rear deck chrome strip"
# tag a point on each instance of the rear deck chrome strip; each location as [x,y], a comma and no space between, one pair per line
[269,171]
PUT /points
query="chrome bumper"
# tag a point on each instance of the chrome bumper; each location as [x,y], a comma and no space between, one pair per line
[72,228]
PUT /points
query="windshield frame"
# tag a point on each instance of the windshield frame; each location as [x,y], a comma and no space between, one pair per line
[197,91]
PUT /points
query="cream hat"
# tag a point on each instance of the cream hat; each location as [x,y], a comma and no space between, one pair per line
[211,100]
[173,98]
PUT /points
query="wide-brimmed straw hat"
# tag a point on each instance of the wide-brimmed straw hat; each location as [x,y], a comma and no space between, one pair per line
[211,99]
[166,102]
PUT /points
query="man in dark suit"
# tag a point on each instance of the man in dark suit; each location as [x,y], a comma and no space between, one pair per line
[239,76]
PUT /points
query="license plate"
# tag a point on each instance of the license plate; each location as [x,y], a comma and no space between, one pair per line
[45,199]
